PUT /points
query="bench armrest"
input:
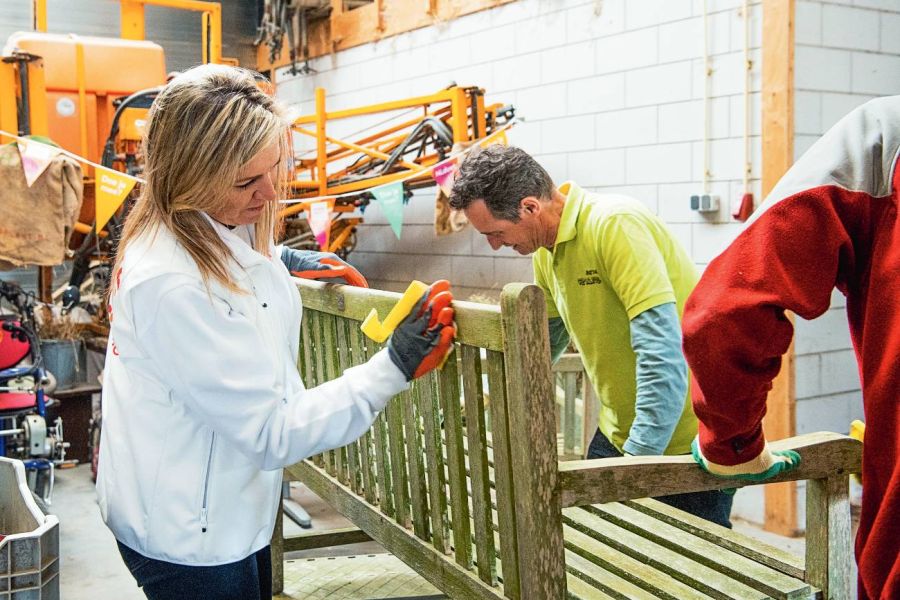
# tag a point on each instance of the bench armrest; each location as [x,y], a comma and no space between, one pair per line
[582,482]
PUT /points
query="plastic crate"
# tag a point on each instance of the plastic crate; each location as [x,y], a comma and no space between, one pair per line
[29,548]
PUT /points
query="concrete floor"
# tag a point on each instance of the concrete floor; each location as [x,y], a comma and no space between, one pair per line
[90,563]
[92,569]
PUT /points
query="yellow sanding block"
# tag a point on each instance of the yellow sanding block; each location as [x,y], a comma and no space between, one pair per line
[380,331]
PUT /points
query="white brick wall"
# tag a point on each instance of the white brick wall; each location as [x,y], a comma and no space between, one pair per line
[611,93]
[846,53]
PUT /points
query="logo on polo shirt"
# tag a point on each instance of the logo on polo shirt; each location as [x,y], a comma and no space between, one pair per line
[590,278]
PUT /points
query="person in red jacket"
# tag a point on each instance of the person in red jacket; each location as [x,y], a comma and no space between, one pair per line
[830,222]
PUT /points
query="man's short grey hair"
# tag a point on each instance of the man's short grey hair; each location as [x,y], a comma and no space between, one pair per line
[501,176]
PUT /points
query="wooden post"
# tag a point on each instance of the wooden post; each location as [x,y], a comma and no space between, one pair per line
[778,156]
[45,284]
[277,548]
[828,536]
[531,407]
[591,414]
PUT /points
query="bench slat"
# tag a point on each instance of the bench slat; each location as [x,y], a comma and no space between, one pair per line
[317,320]
[366,456]
[449,395]
[502,473]
[345,361]
[739,543]
[652,582]
[413,448]
[382,451]
[579,590]
[608,582]
[333,371]
[660,558]
[306,360]
[399,480]
[437,482]
[760,577]
[569,419]
[477,450]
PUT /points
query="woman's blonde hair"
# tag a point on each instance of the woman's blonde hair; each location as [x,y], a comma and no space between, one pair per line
[205,125]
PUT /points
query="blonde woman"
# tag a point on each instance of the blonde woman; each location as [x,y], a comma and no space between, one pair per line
[202,401]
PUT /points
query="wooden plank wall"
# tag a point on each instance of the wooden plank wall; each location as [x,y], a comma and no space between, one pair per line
[380,19]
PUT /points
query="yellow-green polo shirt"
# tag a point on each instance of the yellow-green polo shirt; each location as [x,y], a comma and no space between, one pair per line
[613,259]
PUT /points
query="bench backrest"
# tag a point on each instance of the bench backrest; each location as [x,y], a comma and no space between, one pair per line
[471,494]
[429,480]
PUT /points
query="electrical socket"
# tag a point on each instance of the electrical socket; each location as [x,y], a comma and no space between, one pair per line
[705,203]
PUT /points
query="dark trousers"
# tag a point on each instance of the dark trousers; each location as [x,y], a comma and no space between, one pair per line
[713,505]
[247,579]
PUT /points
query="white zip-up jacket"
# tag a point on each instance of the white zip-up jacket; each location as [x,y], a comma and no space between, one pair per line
[203,404]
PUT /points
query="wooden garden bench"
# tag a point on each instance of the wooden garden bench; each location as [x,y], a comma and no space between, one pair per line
[475,499]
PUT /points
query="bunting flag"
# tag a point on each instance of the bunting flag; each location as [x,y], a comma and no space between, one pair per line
[445,174]
[36,157]
[500,138]
[320,221]
[111,189]
[391,199]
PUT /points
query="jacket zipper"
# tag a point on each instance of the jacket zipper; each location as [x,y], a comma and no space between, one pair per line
[204,510]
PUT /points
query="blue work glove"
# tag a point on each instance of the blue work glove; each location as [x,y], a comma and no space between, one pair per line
[425,336]
[309,264]
[766,465]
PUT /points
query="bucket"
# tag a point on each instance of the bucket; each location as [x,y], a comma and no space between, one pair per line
[67,360]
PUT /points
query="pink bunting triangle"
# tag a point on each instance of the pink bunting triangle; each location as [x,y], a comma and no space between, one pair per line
[320,221]
[36,157]
[445,174]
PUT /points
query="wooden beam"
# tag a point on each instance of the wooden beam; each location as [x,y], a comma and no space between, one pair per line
[325,539]
[777,157]
[615,479]
[380,19]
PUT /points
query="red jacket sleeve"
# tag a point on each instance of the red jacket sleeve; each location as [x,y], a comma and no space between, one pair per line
[814,232]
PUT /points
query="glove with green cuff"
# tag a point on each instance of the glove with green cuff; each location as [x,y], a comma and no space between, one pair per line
[766,465]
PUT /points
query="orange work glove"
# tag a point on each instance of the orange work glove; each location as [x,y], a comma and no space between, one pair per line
[309,264]
[422,341]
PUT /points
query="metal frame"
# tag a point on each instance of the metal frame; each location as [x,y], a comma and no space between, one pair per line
[457,113]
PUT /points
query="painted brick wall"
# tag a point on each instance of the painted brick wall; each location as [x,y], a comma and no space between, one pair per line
[612,96]
[846,53]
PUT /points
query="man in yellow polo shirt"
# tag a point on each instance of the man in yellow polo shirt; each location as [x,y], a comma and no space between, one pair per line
[615,281]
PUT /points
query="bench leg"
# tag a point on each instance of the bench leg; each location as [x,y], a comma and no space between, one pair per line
[277,549]
[829,551]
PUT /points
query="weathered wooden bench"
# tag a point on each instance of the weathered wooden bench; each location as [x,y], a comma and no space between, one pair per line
[491,512]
